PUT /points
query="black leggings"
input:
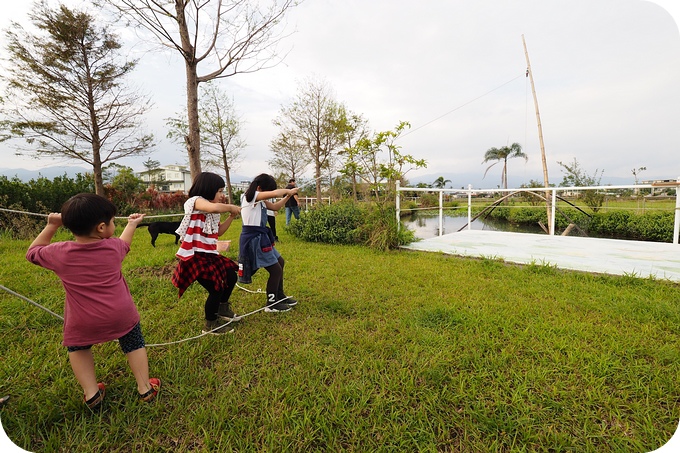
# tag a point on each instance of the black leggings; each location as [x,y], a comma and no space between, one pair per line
[215,297]
[271,220]
[275,281]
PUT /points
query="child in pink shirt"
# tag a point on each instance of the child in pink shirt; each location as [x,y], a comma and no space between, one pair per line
[99,306]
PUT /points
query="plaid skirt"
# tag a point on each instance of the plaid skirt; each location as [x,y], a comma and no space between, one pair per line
[209,266]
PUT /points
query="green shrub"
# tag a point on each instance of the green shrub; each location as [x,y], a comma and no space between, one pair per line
[613,224]
[38,196]
[653,226]
[382,231]
[346,222]
[620,224]
[43,195]
[331,224]
[428,200]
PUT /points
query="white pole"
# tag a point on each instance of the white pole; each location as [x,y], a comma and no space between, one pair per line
[552,217]
[398,206]
[676,227]
[441,211]
[469,226]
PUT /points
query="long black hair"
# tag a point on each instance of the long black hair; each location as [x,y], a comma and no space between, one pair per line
[264,181]
[83,212]
[206,185]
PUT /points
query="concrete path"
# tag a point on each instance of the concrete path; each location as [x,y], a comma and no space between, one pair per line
[607,256]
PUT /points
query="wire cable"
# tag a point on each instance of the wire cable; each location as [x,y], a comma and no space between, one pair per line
[460,107]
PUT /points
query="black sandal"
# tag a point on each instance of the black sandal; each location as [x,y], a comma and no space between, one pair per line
[96,401]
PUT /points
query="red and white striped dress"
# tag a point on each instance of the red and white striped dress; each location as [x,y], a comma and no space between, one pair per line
[196,238]
[198,253]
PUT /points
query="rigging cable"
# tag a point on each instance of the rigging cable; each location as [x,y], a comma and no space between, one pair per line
[461,106]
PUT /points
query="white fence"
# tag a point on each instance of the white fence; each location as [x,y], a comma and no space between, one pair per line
[551,193]
[307,202]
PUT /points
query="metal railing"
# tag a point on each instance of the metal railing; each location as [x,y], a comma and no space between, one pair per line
[308,202]
[553,191]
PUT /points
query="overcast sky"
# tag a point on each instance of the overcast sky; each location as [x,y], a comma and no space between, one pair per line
[607,77]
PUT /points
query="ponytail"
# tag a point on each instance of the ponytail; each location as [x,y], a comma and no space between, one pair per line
[264,181]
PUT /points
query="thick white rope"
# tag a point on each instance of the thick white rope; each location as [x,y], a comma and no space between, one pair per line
[31,302]
[45,215]
[237,318]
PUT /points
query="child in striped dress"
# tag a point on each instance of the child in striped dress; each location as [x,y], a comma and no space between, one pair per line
[199,259]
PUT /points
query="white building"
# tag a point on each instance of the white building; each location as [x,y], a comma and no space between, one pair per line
[242,186]
[171,178]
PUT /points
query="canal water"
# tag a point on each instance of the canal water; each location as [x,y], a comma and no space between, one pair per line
[426,227]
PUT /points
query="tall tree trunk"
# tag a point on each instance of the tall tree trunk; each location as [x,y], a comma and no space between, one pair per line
[97,170]
[505,173]
[228,176]
[193,139]
[317,174]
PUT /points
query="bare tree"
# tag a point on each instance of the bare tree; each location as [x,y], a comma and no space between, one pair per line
[66,83]
[290,156]
[220,129]
[228,37]
[316,121]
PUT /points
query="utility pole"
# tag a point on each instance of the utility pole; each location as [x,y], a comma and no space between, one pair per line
[546,184]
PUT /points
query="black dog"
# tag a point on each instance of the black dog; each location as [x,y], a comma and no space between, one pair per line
[156,228]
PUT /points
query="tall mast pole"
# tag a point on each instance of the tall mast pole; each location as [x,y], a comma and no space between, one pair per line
[540,140]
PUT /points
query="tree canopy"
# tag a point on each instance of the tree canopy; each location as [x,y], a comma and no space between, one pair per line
[66,83]
[315,122]
[223,37]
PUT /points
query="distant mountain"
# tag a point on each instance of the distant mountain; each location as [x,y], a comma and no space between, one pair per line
[47,172]
[52,172]
[458,180]
[461,180]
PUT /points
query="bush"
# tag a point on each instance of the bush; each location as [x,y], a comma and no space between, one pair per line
[332,224]
[651,226]
[382,231]
[38,196]
[348,223]
[654,226]
[43,195]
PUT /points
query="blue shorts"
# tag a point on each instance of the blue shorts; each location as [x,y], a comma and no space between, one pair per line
[129,342]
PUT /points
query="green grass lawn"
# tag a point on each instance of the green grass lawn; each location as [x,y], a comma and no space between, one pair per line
[386,351]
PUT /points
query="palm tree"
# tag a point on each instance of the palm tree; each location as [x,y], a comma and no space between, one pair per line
[440,182]
[503,154]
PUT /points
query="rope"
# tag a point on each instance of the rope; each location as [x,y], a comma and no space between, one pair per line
[259,291]
[31,302]
[238,318]
[45,215]
[23,212]
[460,106]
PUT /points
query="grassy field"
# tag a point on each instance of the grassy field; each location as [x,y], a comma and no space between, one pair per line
[386,351]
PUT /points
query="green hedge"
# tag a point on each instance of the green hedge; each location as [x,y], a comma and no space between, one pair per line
[648,226]
[351,223]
